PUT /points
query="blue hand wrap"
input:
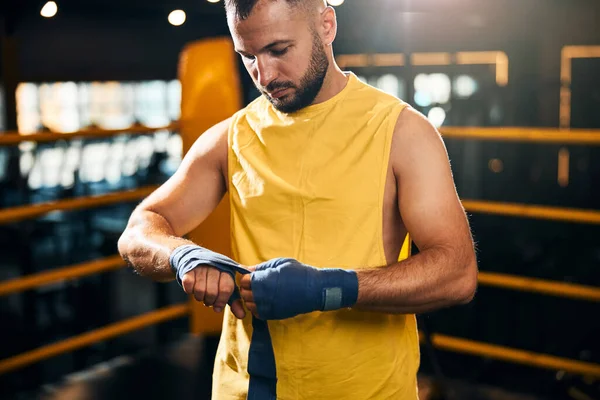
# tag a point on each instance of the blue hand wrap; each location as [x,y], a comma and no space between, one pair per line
[261,358]
[283,288]
[188,257]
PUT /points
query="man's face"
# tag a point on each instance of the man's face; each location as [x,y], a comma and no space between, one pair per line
[283,54]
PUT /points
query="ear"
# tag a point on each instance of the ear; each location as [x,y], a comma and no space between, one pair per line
[328,25]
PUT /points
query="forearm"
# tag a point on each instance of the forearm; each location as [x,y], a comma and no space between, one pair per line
[435,278]
[147,244]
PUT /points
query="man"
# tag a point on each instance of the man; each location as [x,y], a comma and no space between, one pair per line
[331,174]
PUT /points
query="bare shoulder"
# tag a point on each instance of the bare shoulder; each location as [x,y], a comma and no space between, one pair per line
[211,146]
[427,197]
[415,139]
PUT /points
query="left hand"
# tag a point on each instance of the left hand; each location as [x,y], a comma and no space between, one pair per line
[280,289]
[246,292]
[283,288]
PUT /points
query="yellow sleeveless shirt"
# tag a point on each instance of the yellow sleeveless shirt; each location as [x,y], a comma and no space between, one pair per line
[310,185]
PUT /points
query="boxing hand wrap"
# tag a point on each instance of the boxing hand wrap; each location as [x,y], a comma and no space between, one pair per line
[261,358]
[188,257]
[283,288]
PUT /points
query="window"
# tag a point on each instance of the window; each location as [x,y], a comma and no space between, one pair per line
[70,106]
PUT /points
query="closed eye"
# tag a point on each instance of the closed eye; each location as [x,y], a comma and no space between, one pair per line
[279,53]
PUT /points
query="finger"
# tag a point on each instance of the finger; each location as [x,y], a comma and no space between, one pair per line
[226,286]
[251,269]
[247,295]
[252,308]
[188,282]
[238,309]
[200,284]
[212,286]
[246,282]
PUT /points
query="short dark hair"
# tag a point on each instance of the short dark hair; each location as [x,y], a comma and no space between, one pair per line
[243,8]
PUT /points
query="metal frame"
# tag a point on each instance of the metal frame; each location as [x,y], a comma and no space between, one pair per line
[568,53]
[497,58]
[13,137]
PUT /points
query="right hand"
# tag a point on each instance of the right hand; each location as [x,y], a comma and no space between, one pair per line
[213,288]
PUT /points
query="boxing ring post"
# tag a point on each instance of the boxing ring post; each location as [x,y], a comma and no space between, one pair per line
[211,93]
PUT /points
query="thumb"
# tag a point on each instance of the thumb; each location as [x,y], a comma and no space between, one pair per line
[238,309]
[250,268]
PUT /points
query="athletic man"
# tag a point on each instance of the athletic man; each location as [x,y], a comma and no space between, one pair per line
[326,177]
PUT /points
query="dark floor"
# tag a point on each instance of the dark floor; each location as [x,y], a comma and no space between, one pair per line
[183,372]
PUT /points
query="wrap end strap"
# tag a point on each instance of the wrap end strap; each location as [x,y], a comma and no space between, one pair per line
[261,363]
[261,358]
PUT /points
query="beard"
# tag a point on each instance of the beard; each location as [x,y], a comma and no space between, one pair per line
[310,84]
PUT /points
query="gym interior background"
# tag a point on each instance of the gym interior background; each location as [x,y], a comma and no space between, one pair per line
[91,122]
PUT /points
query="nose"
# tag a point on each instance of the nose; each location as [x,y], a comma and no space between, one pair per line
[265,71]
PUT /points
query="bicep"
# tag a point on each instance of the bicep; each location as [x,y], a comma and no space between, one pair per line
[188,197]
[427,198]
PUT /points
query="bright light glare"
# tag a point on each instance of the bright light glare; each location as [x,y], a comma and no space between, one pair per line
[49,10]
[177,17]
[437,115]
[432,88]
[465,86]
[423,98]
[213,1]
[335,2]
[421,83]
[389,84]
[440,87]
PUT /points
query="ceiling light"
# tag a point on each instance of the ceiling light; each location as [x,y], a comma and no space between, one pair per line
[49,10]
[177,17]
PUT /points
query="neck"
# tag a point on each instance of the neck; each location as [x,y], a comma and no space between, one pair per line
[335,81]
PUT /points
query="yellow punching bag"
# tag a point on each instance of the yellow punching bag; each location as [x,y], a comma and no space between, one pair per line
[210,93]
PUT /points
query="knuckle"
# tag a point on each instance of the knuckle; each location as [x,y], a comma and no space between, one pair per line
[187,278]
[199,291]
[226,285]
[226,277]
[210,274]
[223,297]
[210,294]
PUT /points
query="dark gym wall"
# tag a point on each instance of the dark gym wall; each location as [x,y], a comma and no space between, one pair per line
[93,43]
